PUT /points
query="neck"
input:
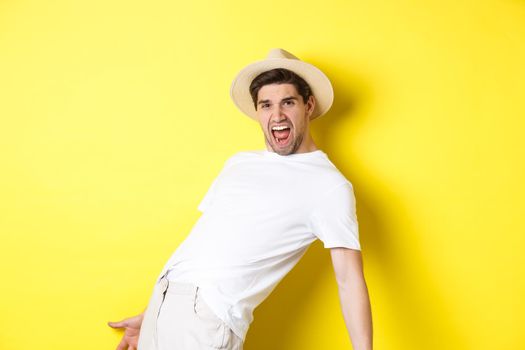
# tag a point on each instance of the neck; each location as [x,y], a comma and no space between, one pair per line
[308,145]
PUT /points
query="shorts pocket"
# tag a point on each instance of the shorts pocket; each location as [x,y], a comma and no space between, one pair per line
[213,331]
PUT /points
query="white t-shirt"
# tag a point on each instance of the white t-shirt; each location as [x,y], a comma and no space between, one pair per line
[259,217]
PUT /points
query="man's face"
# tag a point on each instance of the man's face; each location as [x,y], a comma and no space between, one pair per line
[284,118]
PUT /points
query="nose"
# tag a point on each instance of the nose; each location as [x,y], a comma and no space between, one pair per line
[278,114]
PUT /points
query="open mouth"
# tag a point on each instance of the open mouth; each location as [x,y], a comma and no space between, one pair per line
[281,134]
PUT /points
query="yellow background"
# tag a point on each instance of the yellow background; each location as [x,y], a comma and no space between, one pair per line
[115,118]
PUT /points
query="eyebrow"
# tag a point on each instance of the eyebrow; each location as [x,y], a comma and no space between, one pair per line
[289,98]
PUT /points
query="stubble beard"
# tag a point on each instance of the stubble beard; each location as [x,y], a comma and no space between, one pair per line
[292,148]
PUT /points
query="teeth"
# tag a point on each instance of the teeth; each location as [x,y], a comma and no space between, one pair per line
[280,127]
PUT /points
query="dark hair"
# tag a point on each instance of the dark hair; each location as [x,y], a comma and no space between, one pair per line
[279,76]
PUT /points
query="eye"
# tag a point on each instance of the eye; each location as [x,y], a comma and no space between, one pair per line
[289,103]
[265,105]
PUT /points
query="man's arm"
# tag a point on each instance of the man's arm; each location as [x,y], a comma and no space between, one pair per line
[353,295]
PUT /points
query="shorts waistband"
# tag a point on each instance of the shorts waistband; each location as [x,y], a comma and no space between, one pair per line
[176,287]
[182,288]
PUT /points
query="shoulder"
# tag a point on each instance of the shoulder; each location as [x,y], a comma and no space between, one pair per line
[330,176]
[243,156]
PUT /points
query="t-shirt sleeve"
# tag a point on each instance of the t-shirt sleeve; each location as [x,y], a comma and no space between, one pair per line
[208,197]
[334,219]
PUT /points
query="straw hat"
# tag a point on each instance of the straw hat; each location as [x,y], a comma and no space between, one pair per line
[279,58]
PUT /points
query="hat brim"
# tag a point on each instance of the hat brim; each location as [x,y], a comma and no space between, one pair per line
[316,79]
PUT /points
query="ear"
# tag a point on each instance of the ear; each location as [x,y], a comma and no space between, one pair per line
[310,106]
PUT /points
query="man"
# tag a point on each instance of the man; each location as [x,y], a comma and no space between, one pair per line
[259,217]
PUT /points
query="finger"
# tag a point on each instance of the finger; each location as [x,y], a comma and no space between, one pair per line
[122,345]
[120,324]
[134,342]
[131,347]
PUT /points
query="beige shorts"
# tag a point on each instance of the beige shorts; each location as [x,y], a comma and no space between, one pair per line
[177,318]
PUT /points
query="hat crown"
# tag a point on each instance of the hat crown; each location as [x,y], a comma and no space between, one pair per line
[280,53]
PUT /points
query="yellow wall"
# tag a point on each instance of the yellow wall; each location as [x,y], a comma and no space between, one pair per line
[115,117]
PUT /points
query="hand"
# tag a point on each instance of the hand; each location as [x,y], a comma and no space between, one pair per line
[131,327]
